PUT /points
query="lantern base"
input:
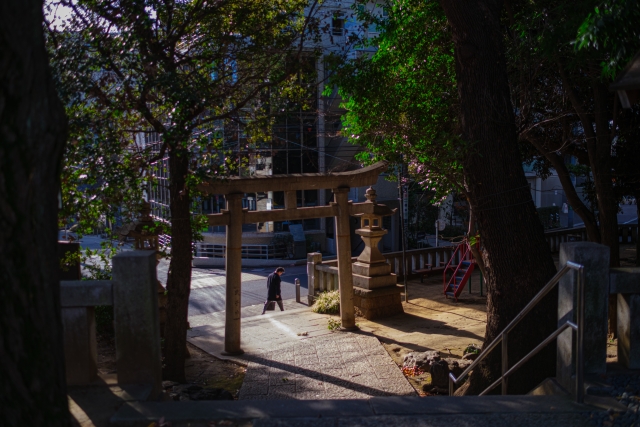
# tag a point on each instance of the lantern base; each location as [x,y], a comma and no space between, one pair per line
[378,303]
[375,282]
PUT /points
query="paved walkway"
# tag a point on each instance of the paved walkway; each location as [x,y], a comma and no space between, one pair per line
[293,355]
[336,366]
[260,333]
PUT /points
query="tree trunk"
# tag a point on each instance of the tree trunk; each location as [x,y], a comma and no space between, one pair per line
[589,219]
[598,144]
[179,277]
[516,257]
[32,138]
[637,197]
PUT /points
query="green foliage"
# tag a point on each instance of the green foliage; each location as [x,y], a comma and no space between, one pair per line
[334,324]
[472,349]
[612,28]
[141,80]
[327,303]
[401,101]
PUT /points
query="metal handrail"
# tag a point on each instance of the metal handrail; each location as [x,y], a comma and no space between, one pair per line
[502,338]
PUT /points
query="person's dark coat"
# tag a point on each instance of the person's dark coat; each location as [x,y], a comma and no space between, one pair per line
[273,284]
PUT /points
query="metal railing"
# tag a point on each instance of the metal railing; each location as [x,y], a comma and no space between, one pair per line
[213,250]
[578,338]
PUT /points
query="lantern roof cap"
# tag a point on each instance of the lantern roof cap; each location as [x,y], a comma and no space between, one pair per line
[372,208]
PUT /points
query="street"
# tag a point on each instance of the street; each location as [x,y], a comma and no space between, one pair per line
[208,286]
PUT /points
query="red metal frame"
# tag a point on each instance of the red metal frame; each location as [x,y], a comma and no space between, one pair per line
[464,252]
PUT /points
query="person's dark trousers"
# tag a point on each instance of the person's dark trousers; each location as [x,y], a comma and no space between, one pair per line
[266,303]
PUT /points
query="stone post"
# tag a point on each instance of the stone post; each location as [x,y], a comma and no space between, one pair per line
[313,259]
[595,259]
[343,240]
[77,300]
[233,268]
[135,313]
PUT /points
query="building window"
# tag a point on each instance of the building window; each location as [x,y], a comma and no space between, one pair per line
[337,24]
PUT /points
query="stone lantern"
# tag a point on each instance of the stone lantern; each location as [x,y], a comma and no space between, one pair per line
[376,293]
[145,232]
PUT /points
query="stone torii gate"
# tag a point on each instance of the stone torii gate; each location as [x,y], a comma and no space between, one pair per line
[234,216]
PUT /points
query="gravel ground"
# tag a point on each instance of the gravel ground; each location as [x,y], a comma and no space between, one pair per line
[625,388]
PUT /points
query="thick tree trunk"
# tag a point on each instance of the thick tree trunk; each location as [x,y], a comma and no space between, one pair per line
[516,257]
[179,278]
[637,197]
[32,137]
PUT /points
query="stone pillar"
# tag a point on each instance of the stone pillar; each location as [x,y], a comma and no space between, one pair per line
[595,259]
[343,243]
[77,300]
[233,268]
[313,259]
[135,313]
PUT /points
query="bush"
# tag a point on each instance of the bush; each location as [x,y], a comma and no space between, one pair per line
[327,303]
[334,324]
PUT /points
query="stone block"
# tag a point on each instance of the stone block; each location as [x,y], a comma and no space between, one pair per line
[86,293]
[378,303]
[313,259]
[80,346]
[595,259]
[137,328]
[371,270]
[374,282]
[629,330]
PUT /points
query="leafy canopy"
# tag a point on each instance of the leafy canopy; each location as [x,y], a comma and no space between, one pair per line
[401,101]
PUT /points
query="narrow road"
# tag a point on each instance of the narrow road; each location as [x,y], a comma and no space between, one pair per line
[208,286]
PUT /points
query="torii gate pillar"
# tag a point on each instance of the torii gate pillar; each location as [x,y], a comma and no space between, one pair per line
[343,243]
[233,267]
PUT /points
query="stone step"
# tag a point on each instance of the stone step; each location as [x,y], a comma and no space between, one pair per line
[431,411]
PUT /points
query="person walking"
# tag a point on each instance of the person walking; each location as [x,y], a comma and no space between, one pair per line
[273,286]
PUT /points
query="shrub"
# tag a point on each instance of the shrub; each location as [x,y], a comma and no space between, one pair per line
[334,324]
[327,303]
